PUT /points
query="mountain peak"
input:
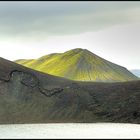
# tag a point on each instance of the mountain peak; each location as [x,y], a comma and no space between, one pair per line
[79,50]
[81,65]
[75,50]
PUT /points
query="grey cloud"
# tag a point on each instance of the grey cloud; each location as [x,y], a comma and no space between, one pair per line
[23,18]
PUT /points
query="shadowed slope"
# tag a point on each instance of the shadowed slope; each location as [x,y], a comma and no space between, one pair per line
[29,96]
[80,65]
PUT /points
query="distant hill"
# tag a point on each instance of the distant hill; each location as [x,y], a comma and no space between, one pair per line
[136,72]
[81,65]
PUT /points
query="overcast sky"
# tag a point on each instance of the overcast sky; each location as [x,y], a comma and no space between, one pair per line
[108,29]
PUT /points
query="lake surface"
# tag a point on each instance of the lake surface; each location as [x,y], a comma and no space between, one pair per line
[99,130]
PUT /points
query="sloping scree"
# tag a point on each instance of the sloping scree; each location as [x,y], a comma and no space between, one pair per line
[31,80]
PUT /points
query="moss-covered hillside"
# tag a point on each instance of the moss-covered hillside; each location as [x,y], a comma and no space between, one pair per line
[81,65]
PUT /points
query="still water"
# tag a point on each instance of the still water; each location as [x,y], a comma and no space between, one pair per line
[97,130]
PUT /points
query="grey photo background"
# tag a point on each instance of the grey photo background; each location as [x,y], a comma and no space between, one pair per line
[108,29]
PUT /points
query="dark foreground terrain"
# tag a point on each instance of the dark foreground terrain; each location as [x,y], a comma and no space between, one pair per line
[28,96]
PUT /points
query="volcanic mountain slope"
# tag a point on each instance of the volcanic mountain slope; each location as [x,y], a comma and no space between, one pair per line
[80,65]
[29,96]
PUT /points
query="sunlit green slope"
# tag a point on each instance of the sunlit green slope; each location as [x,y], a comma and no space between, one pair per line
[81,65]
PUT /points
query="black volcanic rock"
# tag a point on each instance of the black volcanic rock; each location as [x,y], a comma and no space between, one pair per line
[28,96]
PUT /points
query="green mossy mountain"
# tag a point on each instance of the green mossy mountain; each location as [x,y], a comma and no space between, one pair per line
[80,65]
